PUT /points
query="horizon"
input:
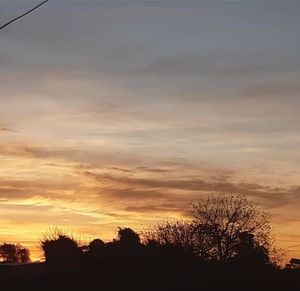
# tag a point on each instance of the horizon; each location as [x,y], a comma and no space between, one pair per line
[119,113]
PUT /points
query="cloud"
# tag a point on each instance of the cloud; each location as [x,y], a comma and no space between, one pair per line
[192,184]
[43,189]
[133,194]
[152,170]
[178,192]
[283,89]
[70,178]
[158,207]
[5,129]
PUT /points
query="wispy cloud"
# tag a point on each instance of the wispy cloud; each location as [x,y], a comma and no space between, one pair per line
[5,128]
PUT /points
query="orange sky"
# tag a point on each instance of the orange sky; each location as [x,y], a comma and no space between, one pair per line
[114,113]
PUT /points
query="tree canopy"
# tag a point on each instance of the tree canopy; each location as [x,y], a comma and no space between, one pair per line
[219,228]
[14,253]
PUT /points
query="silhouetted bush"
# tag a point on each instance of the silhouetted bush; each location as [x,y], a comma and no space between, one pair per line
[128,238]
[249,253]
[95,246]
[61,252]
[95,249]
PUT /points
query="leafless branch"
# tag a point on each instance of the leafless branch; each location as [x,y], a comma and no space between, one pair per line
[21,16]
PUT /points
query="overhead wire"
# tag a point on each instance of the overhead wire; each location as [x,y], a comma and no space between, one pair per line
[24,14]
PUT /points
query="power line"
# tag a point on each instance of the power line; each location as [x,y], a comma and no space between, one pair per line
[289,240]
[294,246]
[21,16]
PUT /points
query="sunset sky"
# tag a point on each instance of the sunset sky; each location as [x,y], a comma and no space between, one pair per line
[119,113]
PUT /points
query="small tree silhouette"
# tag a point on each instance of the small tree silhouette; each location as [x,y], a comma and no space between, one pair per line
[169,233]
[14,253]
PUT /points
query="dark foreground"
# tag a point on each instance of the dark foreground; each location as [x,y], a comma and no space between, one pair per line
[133,275]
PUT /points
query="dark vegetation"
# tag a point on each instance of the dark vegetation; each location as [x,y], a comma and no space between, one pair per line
[11,253]
[224,244]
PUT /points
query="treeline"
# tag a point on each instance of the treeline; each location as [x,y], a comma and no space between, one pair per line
[220,229]
[224,243]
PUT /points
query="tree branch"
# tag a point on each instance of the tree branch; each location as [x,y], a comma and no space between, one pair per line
[21,16]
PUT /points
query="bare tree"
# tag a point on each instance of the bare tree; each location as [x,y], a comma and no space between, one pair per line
[216,229]
[223,219]
[169,233]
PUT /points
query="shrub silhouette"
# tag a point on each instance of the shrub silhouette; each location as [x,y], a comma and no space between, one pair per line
[97,245]
[96,248]
[128,238]
[61,251]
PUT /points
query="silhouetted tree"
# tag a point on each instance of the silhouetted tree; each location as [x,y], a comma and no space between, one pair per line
[215,228]
[14,253]
[177,233]
[222,220]
[178,237]
[249,252]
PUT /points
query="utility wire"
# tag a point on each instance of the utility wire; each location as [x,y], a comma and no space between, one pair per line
[21,16]
[294,246]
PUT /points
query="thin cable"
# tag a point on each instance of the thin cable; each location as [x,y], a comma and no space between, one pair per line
[21,16]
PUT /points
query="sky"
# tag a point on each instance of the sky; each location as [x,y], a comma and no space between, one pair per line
[120,113]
